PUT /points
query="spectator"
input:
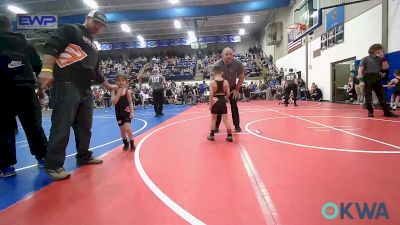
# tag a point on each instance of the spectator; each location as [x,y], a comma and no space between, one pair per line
[316,93]
[18,62]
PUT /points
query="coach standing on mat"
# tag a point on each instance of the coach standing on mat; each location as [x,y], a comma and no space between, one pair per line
[72,54]
[233,69]
[368,73]
[157,82]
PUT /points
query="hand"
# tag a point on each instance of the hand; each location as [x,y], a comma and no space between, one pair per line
[45,79]
[131,116]
[362,84]
[213,101]
[235,94]
[41,93]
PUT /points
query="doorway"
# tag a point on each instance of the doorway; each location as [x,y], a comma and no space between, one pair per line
[341,71]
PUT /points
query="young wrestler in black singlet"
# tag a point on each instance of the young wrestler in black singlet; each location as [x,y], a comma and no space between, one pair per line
[219,92]
[122,99]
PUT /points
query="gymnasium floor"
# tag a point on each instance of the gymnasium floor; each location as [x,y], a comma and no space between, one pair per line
[282,169]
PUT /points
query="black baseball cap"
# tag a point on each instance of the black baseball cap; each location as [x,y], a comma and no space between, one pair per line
[98,16]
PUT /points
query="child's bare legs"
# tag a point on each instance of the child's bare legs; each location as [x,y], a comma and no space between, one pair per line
[392,97]
[124,138]
[212,127]
[128,132]
[227,123]
[396,103]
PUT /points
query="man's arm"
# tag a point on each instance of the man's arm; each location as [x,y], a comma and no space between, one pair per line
[361,73]
[235,92]
[35,59]
[115,97]
[385,64]
[57,43]
[240,81]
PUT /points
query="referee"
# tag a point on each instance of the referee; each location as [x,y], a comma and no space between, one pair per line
[72,56]
[368,73]
[290,85]
[233,69]
[156,82]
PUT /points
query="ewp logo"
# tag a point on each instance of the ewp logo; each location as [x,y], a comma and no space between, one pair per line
[36,21]
[363,210]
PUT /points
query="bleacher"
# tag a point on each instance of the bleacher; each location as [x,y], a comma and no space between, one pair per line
[110,67]
[174,68]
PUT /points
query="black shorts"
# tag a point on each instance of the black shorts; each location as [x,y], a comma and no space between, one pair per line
[123,118]
[220,106]
[396,92]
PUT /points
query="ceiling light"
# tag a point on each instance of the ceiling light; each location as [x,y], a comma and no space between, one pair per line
[91,3]
[177,24]
[174,1]
[246,19]
[125,28]
[242,31]
[16,9]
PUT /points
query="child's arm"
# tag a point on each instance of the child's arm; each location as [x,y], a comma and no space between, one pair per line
[115,94]
[226,89]
[211,94]
[129,96]
[392,83]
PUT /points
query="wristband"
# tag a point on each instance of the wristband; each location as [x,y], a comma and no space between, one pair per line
[47,70]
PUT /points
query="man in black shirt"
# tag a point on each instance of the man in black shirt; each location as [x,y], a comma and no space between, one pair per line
[18,61]
[368,73]
[73,56]
[290,85]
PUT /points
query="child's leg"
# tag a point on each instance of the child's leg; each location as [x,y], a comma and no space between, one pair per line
[227,123]
[213,121]
[212,127]
[128,129]
[123,136]
[392,97]
[396,102]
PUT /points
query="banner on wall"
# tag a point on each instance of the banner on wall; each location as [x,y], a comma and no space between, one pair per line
[334,17]
[334,28]
[117,45]
[169,42]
